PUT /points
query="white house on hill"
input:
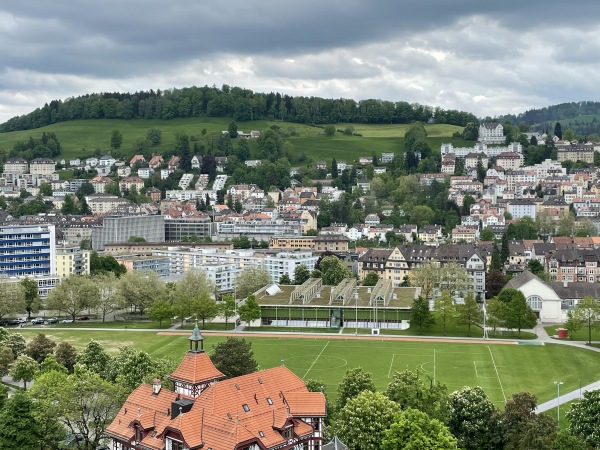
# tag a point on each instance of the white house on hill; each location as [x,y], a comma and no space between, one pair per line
[540,296]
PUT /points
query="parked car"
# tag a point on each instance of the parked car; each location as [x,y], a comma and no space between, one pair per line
[52,320]
[83,318]
[9,322]
[66,321]
[21,320]
[38,321]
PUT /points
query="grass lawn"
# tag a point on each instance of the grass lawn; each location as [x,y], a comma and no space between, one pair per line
[118,324]
[579,335]
[82,137]
[564,421]
[452,330]
[500,369]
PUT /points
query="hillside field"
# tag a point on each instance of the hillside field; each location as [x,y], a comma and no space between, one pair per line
[81,138]
[501,369]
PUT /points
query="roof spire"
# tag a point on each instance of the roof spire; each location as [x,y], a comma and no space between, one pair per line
[196,338]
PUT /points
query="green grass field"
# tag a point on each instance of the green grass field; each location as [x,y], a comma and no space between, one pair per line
[579,335]
[81,138]
[500,369]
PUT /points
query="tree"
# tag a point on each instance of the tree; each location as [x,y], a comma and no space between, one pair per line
[587,312]
[496,314]
[192,284]
[66,355]
[470,416]
[95,359]
[227,308]
[116,139]
[69,207]
[371,279]
[205,308]
[16,343]
[494,282]
[12,297]
[536,268]
[353,383]
[40,347]
[362,422]
[249,310]
[301,274]
[154,136]
[232,129]
[50,364]
[420,315]
[424,276]
[415,430]
[469,313]
[24,369]
[566,441]
[333,270]
[161,310]
[583,418]
[89,412]
[285,279]
[558,130]
[234,357]
[334,169]
[6,359]
[519,314]
[452,277]
[141,289]
[109,295]
[250,280]
[444,308]
[412,390]
[329,130]
[73,295]
[103,264]
[487,235]
[131,367]
[504,250]
[30,296]
[18,427]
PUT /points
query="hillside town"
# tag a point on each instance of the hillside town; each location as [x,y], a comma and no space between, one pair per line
[540,214]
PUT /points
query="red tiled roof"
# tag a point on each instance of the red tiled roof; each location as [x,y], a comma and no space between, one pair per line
[196,368]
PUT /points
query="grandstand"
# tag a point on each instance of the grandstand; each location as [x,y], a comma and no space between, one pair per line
[314,305]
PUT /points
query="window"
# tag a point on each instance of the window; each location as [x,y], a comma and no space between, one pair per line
[246,407]
[535,302]
[269,401]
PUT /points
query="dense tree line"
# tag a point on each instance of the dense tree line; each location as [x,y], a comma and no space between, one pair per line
[238,103]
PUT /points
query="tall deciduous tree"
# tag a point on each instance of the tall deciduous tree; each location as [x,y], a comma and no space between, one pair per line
[24,369]
[420,315]
[353,383]
[425,276]
[141,289]
[12,297]
[95,359]
[519,314]
[415,430]
[66,355]
[73,295]
[583,418]
[333,270]
[445,310]
[301,274]
[470,414]
[18,428]
[250,280]
[6,359]
[371,279]
[160,311]
[414,390]
[40,347]
[205,307]
[362,422]
[249,310]
[109,295]
[227,308]
[234,357]
[469,313]
[588,313]
[31,297]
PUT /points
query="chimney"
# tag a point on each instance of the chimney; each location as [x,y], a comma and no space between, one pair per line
[156,386]
[565,283]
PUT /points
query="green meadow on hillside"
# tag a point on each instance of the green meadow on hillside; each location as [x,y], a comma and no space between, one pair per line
[81,138]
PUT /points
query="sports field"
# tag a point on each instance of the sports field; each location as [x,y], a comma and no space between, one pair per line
[501,369]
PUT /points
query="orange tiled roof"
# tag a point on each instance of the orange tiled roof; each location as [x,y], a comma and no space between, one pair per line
[196,368]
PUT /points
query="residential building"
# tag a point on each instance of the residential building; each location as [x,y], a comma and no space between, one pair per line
[28,251]
[386,157]
[491,133]
[270,409]
[72,260]
[158,264]
[575,152]
[521,208]
[42,166]
[129,183]
[17,166]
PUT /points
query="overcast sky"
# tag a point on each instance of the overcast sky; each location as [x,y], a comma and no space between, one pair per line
[486,57]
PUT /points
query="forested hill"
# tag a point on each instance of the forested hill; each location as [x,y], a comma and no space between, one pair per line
[555,113]
[237,103]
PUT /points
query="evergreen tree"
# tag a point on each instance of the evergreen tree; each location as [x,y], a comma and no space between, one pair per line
[420,315]
[18,428]
[504,250]
[558,130]
[334,169]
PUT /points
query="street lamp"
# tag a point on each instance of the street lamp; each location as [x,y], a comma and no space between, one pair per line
[558,384]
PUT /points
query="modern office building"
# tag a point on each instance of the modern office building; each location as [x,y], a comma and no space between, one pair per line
[183,228]
[121,228]
[158,264]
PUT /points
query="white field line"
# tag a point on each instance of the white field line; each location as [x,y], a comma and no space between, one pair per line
[475,364]
[497,374]
[316,359]
[391,364]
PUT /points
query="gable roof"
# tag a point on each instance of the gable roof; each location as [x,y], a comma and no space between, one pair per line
[522,279]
